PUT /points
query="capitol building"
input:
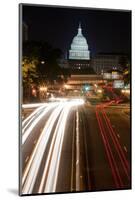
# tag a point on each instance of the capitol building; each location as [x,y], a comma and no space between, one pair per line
[79,47]
[79,53]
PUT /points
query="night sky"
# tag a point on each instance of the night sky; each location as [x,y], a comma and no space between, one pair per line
[105,30]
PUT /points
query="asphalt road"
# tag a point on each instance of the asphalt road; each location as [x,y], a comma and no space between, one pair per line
[71,146]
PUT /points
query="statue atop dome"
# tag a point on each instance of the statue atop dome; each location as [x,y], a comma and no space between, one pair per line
[79,29]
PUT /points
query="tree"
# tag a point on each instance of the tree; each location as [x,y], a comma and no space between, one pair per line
[123,62]
[40,65]
[50,70]
[29,70]
[29,76]
[126,74]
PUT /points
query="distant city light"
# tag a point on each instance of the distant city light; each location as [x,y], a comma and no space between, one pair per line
[43,89]
[66,86]
[87,88]
[42,62]
[34,92]
[125,91]
[99,91]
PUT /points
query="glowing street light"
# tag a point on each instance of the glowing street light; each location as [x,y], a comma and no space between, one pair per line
[99,91]
[34,92]
[42,62]
[66,86]
[87,88]
[43,89]
[125,91]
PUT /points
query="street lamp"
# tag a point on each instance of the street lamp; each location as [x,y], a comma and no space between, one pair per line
[66,86]
[125,91]
[33,92]
[43,89]
[42,62]
[99,91]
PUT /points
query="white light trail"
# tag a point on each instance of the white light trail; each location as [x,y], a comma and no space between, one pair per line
[54,154]
[32,114]
[34,105]
[57,99]
[31,119]
[51,169]
[77,153]
[32,168]
[27,133]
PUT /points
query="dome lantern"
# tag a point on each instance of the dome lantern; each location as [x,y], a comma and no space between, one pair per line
[79,29]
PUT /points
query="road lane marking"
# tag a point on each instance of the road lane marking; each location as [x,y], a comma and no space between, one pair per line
[125,148]
[73,149]
[34,141]
[86,153]
[27,158]
[77,153]
[77,162]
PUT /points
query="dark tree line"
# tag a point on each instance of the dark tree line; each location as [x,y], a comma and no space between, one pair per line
[40,64]
[125,65]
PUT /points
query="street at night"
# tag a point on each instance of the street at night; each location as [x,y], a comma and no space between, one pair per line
[75,146]
[75,90]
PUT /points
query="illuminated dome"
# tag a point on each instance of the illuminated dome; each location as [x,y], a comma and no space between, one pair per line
[79,47]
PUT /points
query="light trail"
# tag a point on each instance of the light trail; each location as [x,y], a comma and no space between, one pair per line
[55,153]
[77,153]
[31,171]
[34,105]
[57,148]
[32,115]
[108,152]
[50,174]
[30,120]
[31,127]
[73,154]
[117,145]
[106,131]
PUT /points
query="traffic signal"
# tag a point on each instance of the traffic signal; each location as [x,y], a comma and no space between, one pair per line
[86,87]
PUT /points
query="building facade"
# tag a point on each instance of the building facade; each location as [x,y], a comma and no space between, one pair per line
[103,62]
